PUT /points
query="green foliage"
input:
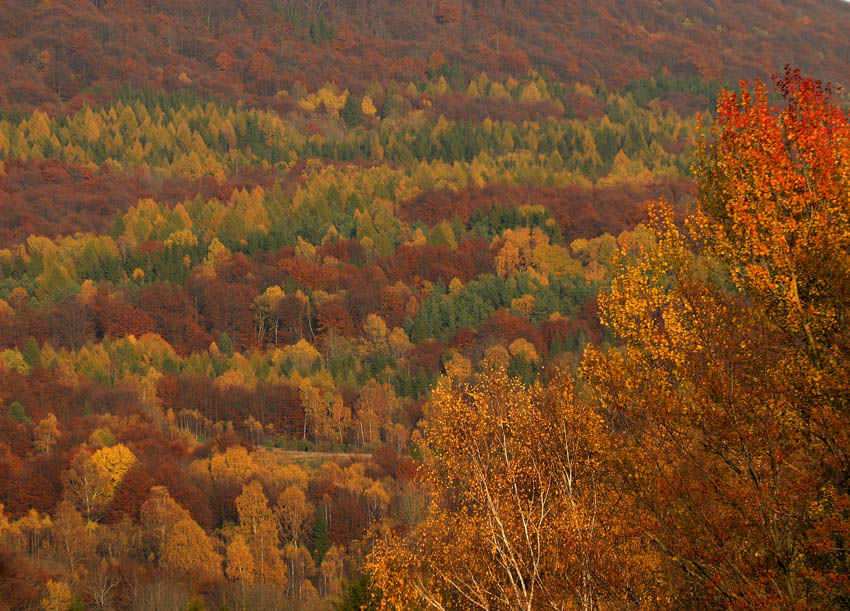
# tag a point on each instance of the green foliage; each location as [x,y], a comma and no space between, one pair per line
[523,369]
[225,344]
[374,366]
[32,353]
[17,413]
[414,384]
[359,595]
[644,90]
[196,603]
[321,31]
[342,365]
[494,222]
[321,544]
[118,226]
[442,315]
[453,73]
[351,113]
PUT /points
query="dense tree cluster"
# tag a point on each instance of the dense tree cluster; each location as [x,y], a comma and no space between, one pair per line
[231,290]
[705,462]
[329,304]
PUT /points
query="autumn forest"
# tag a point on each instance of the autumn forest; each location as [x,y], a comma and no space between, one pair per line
[468,304]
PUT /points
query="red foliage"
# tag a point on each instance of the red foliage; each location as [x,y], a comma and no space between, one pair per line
[334,316]
[447,13]
[347,520]
[71,324]
[504,326]
[40,488]
[580,212]
[168,473]
[438,263]
[309,273]
[346,251]
[392,307]
[427,355]
[555,329]
[226,307]
[131,493]
[586,107]
[294,315]
[459,107]
[397,466]
[11,470]
[464,339]
[51,197]
[173,316]
[589,315]
[230,50]
[21,581]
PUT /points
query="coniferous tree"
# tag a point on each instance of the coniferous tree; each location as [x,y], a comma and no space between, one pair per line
[32,353]
[320,535]
[17,413]
[225,344]
[351,113]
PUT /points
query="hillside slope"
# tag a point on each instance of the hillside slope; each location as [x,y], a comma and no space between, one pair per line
[51,51]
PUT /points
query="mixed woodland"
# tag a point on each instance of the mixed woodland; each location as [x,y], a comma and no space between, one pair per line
[424,305]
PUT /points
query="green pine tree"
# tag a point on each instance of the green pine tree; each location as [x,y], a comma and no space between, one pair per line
[320,536]
[358,595]
[225,344]
[351,113]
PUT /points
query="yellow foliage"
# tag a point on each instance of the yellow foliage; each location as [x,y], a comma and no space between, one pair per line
[14,360]
[496,357]
[182,238]
[187,550]
[305,249]
[240,562]
[399,342]
[459,368]
[522,347]
[518,492]
[497,90]
[374,335]
[59,596]
[524,305]
[234,464]
[302,355]
[232,378]
[115,461]
[46,434]
[530,94]
[216,253]
[368,106]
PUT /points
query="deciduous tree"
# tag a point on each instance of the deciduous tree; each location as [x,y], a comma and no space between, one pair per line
[87,485]
[731,407]
[522,516]
[46,434]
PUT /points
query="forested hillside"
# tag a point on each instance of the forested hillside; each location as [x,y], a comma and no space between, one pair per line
[259,49]
[271,271]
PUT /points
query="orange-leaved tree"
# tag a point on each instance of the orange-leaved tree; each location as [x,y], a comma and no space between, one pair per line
[728,397]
